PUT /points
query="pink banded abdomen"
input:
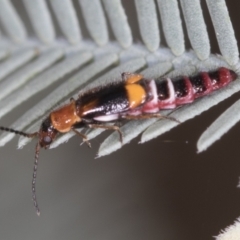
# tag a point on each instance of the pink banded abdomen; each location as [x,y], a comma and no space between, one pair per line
[182,90]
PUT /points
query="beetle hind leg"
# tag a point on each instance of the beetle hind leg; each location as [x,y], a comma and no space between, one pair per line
[108,127]
[148,116]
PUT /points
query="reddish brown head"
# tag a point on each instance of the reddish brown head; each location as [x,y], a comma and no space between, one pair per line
[47,133]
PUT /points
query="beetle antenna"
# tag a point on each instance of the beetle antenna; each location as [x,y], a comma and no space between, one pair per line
[34,196]
[28,135]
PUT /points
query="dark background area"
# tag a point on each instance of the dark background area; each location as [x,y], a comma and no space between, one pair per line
[162,189]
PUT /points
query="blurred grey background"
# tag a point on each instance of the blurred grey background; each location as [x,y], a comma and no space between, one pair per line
[162,189]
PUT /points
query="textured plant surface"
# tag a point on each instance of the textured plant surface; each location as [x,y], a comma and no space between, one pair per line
[36,55]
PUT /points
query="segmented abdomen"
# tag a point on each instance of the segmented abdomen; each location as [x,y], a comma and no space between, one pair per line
[173,92]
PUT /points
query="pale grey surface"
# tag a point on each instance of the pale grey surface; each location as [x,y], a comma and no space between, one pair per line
[148,23]
[66,15]
[41,19]
[119,24]
[224,30]
[172,25]
[16,61]
[95,20]
[11,21]
[196,27]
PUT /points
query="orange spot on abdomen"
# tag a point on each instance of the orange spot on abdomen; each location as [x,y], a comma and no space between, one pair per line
[136,95]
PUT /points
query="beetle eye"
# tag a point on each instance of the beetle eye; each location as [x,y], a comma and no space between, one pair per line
[47,139]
